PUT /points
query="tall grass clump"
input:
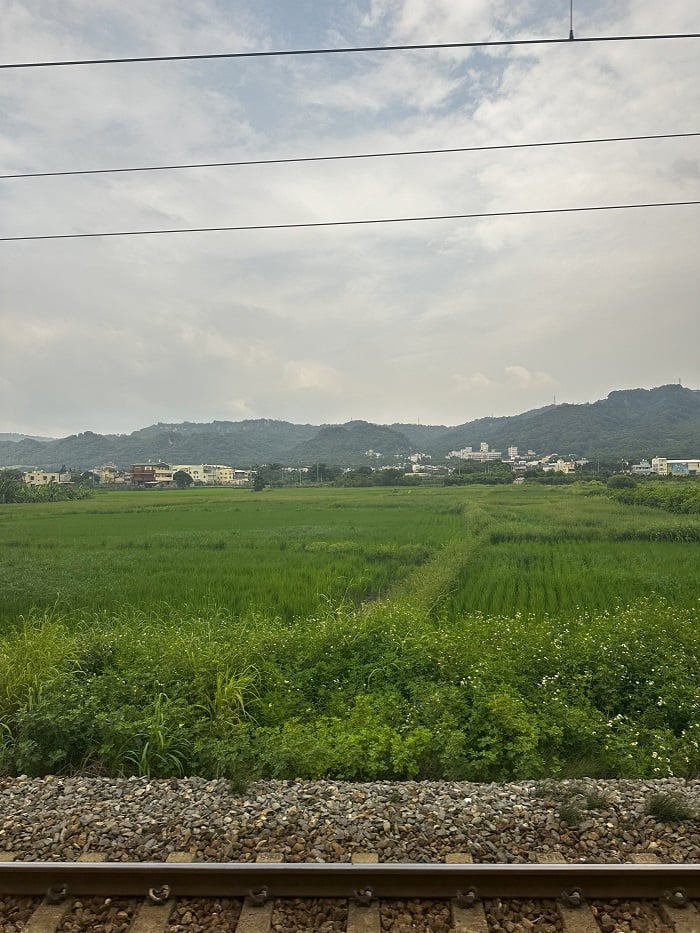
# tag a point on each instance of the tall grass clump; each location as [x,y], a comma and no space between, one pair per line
[670,807]
[38,653]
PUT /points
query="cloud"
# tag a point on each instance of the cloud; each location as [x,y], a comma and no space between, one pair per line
[525,379]
[475,380]
[393,321]
[239,408]
[212,346]
[441,20]
[311,375]
[390,83]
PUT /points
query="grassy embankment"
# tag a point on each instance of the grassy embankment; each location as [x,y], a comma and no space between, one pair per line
[484,633]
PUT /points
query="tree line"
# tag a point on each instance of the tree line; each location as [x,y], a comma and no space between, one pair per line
[14,489]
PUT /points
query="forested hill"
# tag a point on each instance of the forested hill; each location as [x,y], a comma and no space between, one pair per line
[632,423]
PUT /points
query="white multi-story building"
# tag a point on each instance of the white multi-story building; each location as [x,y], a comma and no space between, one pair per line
[214,474]
[206,473]
[482,454]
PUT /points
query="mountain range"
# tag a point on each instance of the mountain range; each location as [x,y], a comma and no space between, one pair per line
[629,424]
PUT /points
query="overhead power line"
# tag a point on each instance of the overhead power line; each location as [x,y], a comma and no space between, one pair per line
[414,47]
[338,158]
[347,223]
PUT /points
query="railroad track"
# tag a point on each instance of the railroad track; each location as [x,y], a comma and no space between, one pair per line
[366,896]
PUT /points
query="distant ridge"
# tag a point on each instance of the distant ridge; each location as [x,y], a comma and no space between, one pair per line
[629,424]
[21,437]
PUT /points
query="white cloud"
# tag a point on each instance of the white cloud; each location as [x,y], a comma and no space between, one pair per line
[311,375]
[391,82]
[522,377]
[475,380]
[239,408]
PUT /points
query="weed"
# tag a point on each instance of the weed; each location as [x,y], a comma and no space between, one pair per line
[547,789]
[571,812]
[667,807]
[596,799]
[227,704]
[164,747]
[239,785]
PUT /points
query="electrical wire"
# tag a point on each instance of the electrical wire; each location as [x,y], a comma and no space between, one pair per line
[348,223]
[431,46]
[338,158]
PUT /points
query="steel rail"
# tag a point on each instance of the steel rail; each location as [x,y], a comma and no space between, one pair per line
[383,880]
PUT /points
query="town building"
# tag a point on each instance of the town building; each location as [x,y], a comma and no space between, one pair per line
[214,474]
[41,477]
[482,455]
[149,474]
[665,467]
[559,466]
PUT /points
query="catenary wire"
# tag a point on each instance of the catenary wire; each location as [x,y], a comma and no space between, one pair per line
[348,223]
[414,47]
[338,158]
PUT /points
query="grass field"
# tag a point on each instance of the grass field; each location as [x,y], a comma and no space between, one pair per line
[480,633]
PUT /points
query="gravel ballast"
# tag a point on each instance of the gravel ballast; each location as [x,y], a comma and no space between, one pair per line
[137,819]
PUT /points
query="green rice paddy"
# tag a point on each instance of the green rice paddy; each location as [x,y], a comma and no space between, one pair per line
[288,553]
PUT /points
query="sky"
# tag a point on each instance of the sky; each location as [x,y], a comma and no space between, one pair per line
[437,322]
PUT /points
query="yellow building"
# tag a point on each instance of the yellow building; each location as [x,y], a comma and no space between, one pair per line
[40,478]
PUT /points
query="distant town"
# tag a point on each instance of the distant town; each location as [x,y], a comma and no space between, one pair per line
[158,474]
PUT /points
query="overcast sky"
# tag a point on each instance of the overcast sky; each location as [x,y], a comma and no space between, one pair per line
[438,322]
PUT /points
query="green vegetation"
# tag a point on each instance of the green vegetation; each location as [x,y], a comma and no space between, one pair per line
[12,489]
[366,476]
[480,474]
[360,634]
[387,693]
[673,495]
